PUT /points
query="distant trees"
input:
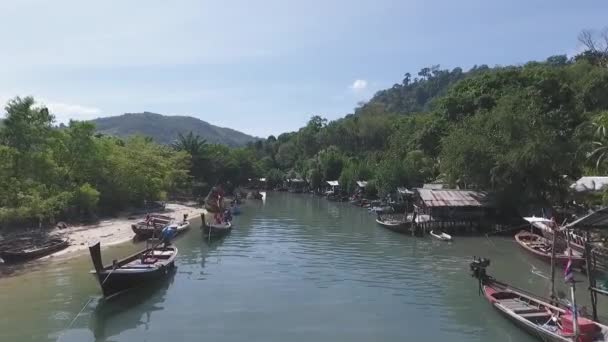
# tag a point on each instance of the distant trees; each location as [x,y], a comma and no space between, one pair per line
[520,131]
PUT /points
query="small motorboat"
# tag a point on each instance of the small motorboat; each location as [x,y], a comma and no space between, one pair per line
[441,236]
[29,248]
[398,226]
[141,268]
[235,209]
[541,248]
[154,224]
[533,314]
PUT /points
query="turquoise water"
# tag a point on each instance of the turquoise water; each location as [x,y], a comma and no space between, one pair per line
[295,268]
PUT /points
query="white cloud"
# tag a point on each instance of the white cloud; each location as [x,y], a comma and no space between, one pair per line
[358,85]
[65,111]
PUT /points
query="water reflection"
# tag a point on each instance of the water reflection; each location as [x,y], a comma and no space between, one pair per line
[130,310]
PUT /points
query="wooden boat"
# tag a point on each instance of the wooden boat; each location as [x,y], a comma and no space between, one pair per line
[23,249]
[441,236]
[141,268]
[155,224]
[535,315]
[214,228]
[398,226]
[577,241]
[541,248]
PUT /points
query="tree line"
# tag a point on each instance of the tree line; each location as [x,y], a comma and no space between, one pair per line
[524,132]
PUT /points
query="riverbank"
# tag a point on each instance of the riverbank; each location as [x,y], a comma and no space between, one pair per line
[117,230]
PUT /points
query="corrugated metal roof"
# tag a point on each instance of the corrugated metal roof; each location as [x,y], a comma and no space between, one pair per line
[590,184]
[362,184]
[454,198]
[333,183]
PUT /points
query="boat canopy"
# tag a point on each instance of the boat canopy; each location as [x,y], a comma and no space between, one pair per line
[535,219]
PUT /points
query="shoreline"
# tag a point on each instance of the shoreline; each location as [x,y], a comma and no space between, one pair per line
[116,230]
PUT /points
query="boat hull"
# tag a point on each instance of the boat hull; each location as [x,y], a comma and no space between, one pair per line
[440,237]
[560,260]
[16,257]
[529,327]
[144,232]
[142,268]
[403,227]
[117,282]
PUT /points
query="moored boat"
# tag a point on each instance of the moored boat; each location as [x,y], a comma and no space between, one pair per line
[24,249]
[541,248]
[144,267]
[441,236]
[221,227]
[153,225]
[535,315]
[398,226]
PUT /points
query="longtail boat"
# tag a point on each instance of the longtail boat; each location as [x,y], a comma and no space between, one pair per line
[24,249]
[577,241]
[141,268]
[152,226]
[399,226]
[535,315]
[215,228]
[541,248]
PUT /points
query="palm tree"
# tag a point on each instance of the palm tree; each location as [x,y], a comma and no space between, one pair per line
[600,142]
[193,144]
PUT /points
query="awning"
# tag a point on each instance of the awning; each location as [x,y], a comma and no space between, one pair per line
[535,219]
[405,191]
[595,220]
[333,183]
[362,184]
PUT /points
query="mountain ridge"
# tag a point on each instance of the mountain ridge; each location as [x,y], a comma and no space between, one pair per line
[165,129]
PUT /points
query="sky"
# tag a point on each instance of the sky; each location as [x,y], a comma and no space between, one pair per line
[262,67]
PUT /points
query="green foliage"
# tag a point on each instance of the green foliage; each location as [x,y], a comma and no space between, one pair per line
[520,131]
[86,198]
[275,177]
[48,173]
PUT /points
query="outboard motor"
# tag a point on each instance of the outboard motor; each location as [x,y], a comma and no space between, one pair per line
[478,267]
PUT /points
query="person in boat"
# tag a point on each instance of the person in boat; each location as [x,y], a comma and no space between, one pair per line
[147,220]
[227,215]
[167,234]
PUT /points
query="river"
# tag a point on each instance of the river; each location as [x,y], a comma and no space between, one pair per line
[295,268]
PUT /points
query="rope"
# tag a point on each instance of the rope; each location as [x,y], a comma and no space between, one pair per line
[76,317]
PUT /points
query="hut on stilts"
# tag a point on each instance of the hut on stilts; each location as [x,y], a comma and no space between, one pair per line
[453,211]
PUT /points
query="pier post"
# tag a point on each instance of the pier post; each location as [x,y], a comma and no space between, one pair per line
[590,276]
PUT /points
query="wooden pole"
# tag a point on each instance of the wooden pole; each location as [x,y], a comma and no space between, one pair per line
[590,276]
[572,289]
[553,266]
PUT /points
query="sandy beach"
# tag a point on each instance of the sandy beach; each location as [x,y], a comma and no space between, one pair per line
[116,230]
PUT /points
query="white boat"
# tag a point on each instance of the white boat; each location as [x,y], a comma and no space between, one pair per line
[441,236]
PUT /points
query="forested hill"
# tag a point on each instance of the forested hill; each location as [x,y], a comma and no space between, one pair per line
[417,93]
[524,132]
[165,129]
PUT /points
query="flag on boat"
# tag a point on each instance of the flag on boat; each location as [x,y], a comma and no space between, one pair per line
[568,273]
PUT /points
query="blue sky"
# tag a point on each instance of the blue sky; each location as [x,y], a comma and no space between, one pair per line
[262,67]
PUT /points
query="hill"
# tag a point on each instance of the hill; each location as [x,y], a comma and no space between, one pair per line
[164,129]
